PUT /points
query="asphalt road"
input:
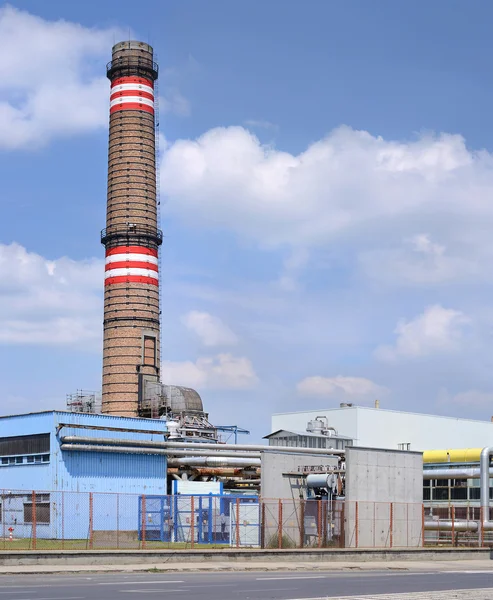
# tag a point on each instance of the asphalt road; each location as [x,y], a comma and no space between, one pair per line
[460,585]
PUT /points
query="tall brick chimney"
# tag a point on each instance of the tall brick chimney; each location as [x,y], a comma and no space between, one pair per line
[131,238]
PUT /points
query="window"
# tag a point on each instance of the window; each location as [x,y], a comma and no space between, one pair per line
[458,493]
[404,446]
[25,444]
[42,508]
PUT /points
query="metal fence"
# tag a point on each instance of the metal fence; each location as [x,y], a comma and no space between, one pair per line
[70,520]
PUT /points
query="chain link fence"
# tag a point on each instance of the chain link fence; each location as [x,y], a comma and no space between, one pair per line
[39,520]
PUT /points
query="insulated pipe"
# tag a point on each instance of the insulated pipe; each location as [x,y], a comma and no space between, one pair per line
[188,458]
[78,439]
[186,451]
[75,439]
[449,473]
[255,448]
[112,449]
[213,461]
[484,484]
[251,455]
[452,455]
[451,525]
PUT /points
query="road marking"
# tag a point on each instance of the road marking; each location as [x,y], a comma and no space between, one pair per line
[290,578]
[477,594]
[51,598]
[149,591]
[488,572]
[142,582]
[265,590]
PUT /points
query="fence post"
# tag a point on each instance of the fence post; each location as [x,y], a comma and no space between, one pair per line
[192,522]
[262,526]
[279,530]
[63,520]
[91,524]
[144,512]
[33,518]
[302,523]
[237,522]
[356,521]
[118,521]
[423,525]
[3,520]
[453,526]
[319,522]
[481,530]
[325,523]
[391,524]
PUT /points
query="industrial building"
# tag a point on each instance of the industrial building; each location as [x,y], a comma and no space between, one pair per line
[374,427]
[142,462]
[67,459]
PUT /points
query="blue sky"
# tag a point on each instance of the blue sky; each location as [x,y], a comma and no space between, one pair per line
[326,178]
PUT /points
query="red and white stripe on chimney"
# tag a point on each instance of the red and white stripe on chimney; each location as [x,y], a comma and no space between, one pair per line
[131,264]
[132,93]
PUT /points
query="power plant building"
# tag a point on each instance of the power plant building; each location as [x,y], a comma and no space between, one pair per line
[76,469]
[389,429]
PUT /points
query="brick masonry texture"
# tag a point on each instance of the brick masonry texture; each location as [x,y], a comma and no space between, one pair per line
[131,310]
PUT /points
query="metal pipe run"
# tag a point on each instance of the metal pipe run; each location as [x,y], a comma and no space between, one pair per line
[75,439]
[484,483]
[451,473]
[186,450]
[112,449]
[254,448]
[213,461]
[188,458]
[449,525]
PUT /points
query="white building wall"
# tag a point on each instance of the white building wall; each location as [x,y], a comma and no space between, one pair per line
[381,428]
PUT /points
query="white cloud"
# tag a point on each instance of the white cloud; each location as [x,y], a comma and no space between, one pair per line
[173,101]
[471,398]
[437,330]
[223,371]
[51,78]
[261,124]
[211,330]
[357,387]
[296,261]
[44,302]
[420,261]
[415,211]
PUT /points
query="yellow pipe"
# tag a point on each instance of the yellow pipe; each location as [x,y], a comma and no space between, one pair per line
[460,455]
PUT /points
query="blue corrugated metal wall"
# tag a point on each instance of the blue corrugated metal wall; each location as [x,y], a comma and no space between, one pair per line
[82,472]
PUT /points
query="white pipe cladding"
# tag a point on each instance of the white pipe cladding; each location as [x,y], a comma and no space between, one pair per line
[213,461]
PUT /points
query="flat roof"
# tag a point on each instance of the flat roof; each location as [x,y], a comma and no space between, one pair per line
[386,410]
[309,434]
